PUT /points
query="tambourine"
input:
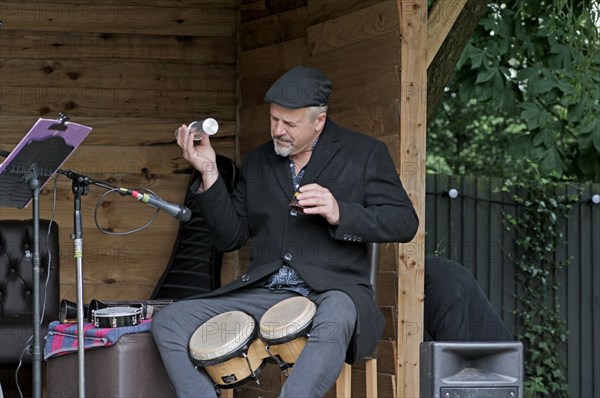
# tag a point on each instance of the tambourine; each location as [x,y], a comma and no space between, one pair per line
[115,317]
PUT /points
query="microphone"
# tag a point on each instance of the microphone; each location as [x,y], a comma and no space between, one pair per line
[181,213]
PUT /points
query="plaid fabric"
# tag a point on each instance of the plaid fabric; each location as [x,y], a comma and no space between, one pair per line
[62,338]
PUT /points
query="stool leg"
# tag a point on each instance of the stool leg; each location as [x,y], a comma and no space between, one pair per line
[343,385]
[371,379]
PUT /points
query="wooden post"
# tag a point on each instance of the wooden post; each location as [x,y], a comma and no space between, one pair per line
[411,256]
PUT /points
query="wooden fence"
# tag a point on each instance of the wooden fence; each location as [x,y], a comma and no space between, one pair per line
[468,229]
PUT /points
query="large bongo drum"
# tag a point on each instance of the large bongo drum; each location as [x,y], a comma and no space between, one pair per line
[227,348]
[284,329]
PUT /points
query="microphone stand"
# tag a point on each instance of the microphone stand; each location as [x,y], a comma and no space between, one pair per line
[33,182]
[80,187]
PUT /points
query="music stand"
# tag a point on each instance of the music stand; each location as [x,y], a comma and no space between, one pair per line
[23,174]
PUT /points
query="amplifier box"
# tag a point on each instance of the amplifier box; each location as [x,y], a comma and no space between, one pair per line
[471,369]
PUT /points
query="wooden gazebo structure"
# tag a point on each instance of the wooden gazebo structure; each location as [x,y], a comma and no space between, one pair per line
[133,70]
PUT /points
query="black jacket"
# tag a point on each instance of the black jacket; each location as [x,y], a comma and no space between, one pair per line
[374,207]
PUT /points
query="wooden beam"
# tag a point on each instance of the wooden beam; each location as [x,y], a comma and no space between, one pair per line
[443,15]
[411,153]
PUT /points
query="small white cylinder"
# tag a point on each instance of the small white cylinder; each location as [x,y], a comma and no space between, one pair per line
[208,126]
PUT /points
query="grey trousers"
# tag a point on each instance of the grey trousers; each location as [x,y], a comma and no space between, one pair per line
[316,369]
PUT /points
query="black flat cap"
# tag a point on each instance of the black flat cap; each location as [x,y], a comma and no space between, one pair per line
[300,87]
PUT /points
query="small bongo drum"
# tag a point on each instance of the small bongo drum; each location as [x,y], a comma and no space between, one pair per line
[284,329]
[227,348]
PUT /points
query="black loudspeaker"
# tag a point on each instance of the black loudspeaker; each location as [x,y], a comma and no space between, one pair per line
[471,369]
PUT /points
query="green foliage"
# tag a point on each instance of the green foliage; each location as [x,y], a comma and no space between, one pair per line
[526,86]
[536,233]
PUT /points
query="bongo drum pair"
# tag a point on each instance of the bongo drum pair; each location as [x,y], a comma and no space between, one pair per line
[232,349]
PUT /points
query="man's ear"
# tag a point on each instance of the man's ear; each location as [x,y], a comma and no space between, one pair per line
[320,121]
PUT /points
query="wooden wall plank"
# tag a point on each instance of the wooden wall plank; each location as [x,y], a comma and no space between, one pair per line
[256,9]
[161,76]
[271,61]
[130,100]
[92,4]
[382,82]
[352,28]
[22,44]
[377,119]
[210,20]
[385,48]
[274,29]
[324,10]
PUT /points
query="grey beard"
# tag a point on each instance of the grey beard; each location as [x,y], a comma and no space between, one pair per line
[281,151]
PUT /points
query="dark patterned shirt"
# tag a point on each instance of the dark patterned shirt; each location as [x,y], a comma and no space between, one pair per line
[288,278]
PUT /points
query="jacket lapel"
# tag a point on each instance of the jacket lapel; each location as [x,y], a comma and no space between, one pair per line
[327,147]
[281,170]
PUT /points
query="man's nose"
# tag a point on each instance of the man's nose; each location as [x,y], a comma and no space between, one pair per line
[278,129]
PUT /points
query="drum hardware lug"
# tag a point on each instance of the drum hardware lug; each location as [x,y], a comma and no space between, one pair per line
[283,366]
[253,375]
[218,388]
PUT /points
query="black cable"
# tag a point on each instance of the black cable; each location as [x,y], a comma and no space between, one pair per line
[106,231]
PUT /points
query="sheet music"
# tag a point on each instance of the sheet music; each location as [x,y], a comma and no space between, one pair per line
[46,147]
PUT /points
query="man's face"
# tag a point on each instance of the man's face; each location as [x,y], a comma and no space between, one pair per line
[293,130]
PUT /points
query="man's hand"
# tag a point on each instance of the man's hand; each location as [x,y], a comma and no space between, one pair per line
[202,156]
[316,199]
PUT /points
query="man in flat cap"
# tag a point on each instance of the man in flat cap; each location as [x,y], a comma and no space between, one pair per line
[307,204]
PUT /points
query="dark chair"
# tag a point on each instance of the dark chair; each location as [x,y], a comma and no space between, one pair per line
[343,386]
[16,284]
[16,292]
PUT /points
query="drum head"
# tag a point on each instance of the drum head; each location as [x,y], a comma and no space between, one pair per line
[287,320]
[222,337]
[116,311]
